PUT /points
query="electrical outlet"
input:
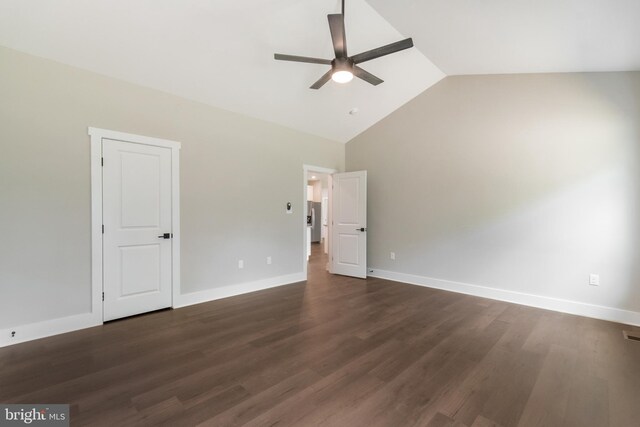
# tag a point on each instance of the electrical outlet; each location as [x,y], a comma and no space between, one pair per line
[240,263]
[268,260]
[392,255]
[594,279]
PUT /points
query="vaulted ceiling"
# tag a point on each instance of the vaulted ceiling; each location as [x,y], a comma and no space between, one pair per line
[521,36]
[220,52]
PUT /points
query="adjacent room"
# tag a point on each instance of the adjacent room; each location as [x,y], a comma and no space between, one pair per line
[328,213]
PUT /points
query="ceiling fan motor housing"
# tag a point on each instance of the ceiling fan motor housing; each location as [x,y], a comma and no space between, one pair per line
[342,64]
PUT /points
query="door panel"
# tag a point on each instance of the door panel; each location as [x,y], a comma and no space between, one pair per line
[140,190]
[136,211]
[348,253]
[349,201]
[141,269]
[349,217]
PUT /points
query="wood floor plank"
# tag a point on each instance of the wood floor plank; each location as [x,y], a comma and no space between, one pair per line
[588,402]
[550,395]
[441,420]
[353,379]
[501,388]
[262,402]
[484,422]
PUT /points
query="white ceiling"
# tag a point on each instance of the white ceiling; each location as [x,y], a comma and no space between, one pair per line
[521,36]
[220,52]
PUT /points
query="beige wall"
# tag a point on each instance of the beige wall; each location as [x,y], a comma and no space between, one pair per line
[45,109]
[526,183]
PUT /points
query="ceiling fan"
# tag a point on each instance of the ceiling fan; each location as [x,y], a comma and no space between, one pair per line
[343,66]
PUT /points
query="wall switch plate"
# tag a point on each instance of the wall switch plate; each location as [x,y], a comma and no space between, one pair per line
[392,255]
[240,263]
[594,279]
[268,260]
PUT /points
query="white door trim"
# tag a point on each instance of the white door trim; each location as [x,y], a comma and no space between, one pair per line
[97,135]
[305,170]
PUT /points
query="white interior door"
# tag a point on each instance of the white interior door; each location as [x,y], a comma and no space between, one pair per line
[137,228]
[349,224]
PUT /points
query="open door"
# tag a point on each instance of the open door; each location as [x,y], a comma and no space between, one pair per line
[349,224]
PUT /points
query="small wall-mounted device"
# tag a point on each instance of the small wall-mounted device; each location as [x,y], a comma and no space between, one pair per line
[289,208]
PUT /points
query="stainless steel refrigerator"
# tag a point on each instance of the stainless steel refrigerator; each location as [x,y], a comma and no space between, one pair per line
[314,219]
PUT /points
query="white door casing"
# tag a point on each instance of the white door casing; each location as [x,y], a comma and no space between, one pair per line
[137,210]
[349,228]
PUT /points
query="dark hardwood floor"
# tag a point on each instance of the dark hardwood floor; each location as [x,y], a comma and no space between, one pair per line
[336,351]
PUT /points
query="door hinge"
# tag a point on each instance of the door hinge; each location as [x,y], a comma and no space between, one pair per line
[101,161]
[102,228]
[103,296]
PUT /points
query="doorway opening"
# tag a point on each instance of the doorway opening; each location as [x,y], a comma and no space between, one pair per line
[345,220]
[316,248]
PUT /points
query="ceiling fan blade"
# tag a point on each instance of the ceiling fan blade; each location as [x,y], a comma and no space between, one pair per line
[366,76]
[322,80]
[338,34]
[294,58]
[382,51]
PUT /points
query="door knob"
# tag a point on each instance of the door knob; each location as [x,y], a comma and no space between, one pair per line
[363,229]
[165,236]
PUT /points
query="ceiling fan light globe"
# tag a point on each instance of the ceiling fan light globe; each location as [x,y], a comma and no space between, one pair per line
[342,76]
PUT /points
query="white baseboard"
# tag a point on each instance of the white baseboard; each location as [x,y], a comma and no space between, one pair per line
[47,328]
[548,303]
[184,300]
[63,325]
